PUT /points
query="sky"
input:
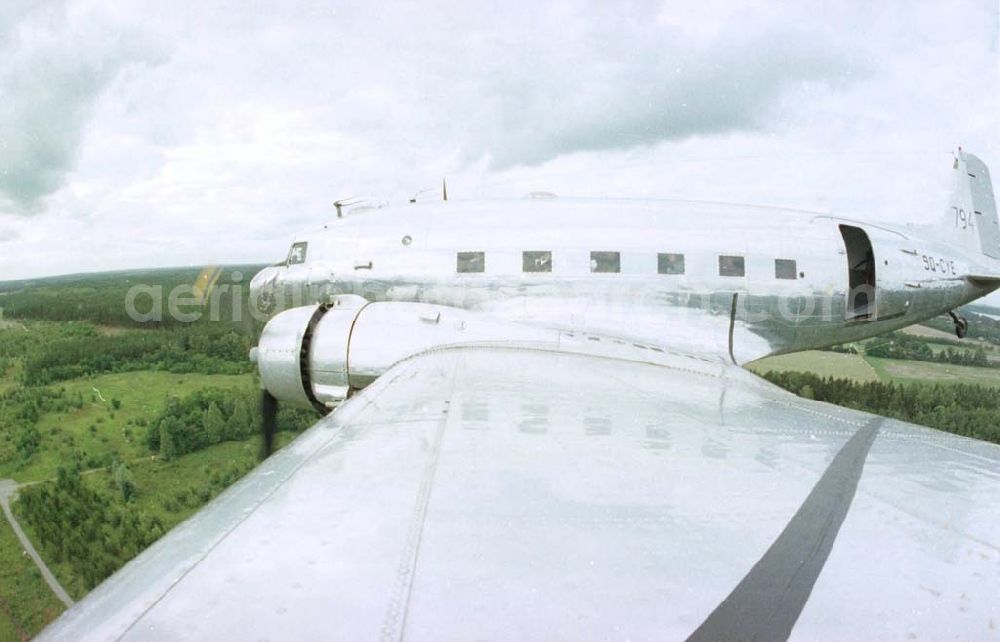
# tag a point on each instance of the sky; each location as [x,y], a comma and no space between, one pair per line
[149,133]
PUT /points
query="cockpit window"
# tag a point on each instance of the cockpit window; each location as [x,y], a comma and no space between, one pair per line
[297,254]
[471,262]
[605,262]
[536,261]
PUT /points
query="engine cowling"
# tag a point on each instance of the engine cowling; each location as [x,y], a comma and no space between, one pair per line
[318,355]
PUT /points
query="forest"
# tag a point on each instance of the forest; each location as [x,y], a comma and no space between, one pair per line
[963,409]
[206,348]
[899,345]
[100,298]
[93,532]
[213,415]
[128,467]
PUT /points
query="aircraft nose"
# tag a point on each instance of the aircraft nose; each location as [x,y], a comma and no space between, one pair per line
[262,288]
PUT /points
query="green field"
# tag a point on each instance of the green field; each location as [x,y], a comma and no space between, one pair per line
[824,364]
[928,333]
[142,424]
[93,434]
[111,426]
[863,368]
[860,368]
[922,372]
[97,431]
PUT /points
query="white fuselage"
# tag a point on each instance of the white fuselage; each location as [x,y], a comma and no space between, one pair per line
[612,267]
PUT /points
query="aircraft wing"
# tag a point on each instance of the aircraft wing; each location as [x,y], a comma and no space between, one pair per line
[488,493]
[984,279]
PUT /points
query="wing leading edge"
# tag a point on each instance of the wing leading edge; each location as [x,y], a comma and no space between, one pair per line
[485,493]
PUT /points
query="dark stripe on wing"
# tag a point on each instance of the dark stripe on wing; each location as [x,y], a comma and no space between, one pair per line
[767,602]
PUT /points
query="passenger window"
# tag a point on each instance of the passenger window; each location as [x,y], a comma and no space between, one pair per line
[785,269]
[297,254]
[536,261]
[471,262]
[605,262]
[732,266]
[670,263]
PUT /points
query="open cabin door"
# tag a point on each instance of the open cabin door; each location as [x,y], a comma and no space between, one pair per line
[861,274]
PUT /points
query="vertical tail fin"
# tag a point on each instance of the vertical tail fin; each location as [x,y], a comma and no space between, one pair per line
[971,220]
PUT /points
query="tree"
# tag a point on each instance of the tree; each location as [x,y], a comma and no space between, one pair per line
[123,479]
[214,424]
[28,441]
[240,422]
[170,428]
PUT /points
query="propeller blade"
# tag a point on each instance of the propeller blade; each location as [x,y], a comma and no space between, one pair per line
[205,282]
[269,424]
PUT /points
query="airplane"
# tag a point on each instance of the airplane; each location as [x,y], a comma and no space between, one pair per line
[535,426]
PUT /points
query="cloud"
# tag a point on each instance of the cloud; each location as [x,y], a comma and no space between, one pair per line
[517,84]
[664,91]
[54,65]
[8,234]
[521,84]
[11,14]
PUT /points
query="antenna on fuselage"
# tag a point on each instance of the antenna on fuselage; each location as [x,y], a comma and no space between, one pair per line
[345,202]
[413,199]
[444,188]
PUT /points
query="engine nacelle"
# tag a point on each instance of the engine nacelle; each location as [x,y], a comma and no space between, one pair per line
[317,355]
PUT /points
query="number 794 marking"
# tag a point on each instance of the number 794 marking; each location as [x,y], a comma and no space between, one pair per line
[964,220]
